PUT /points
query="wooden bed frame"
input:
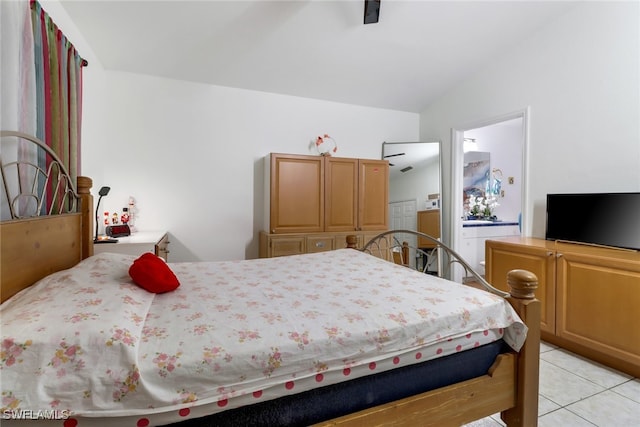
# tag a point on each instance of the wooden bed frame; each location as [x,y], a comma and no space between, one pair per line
[34,248]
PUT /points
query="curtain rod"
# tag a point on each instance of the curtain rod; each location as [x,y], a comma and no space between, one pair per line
[34,5]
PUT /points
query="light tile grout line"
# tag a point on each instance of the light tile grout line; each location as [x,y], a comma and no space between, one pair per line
[566,407]
[550,348]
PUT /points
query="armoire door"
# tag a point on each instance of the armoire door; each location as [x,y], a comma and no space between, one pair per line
[373,195]
[341,194]
[297,194]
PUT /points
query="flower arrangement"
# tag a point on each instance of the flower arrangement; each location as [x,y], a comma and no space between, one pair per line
[482,207]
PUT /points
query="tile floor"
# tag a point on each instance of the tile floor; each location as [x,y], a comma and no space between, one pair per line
[576,392]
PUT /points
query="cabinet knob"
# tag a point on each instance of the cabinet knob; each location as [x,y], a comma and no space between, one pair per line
[319,244]
[549,253]
[559,255]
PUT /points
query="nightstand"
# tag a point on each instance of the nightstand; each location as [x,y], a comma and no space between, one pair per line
[138,243]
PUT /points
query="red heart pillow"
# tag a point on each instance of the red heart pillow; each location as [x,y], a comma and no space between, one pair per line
[153,274]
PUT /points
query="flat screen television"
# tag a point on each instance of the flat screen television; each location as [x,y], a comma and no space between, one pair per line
[607,219]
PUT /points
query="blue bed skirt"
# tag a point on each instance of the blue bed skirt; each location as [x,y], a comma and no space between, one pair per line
[333,401]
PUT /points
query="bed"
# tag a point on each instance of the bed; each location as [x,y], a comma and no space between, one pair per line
[345,338]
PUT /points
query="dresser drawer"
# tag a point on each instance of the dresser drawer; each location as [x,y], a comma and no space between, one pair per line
[320,244]
[162,247]
[282,246]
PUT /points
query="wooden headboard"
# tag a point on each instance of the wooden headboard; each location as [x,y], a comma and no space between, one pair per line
[35,246]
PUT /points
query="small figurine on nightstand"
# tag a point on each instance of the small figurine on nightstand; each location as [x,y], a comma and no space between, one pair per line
[106,218]
[125,216]
[132,213]
[114,218]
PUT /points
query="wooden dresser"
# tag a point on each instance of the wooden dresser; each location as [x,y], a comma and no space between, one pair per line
[590,295]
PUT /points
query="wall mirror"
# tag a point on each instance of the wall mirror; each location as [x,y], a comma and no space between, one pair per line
[415,188]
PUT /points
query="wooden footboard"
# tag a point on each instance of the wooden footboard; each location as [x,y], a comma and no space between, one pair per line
[453,405]
[510,386]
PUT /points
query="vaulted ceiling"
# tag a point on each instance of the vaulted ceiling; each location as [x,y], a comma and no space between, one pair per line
[317,49]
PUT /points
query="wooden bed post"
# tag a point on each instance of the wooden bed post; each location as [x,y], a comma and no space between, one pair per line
[525,413]
[405,253]
[352,241]
[86,210]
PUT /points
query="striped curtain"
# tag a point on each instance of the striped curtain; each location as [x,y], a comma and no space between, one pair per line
[58,74]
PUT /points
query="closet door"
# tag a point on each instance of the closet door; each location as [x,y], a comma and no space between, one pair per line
[341,194]
[297,194]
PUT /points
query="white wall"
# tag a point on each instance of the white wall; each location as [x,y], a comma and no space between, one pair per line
[580,77]
[192,155]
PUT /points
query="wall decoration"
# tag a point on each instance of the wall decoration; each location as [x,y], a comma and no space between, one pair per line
[325,145]
[477,174]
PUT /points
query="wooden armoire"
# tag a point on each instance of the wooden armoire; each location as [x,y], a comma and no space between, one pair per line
[316,201]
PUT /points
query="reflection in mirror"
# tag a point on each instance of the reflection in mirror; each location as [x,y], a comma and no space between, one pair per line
[415,192]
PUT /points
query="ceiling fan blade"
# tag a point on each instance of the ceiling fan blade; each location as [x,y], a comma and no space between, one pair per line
[371,11]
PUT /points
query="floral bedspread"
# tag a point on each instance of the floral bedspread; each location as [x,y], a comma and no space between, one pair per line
[89,341]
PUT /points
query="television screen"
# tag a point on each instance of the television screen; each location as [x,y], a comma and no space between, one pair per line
[609,219]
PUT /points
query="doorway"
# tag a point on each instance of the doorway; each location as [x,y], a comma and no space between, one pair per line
[505,139]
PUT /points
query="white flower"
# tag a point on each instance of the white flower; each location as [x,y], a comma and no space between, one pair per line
[483,206]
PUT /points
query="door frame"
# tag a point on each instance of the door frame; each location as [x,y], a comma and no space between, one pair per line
[457,164]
